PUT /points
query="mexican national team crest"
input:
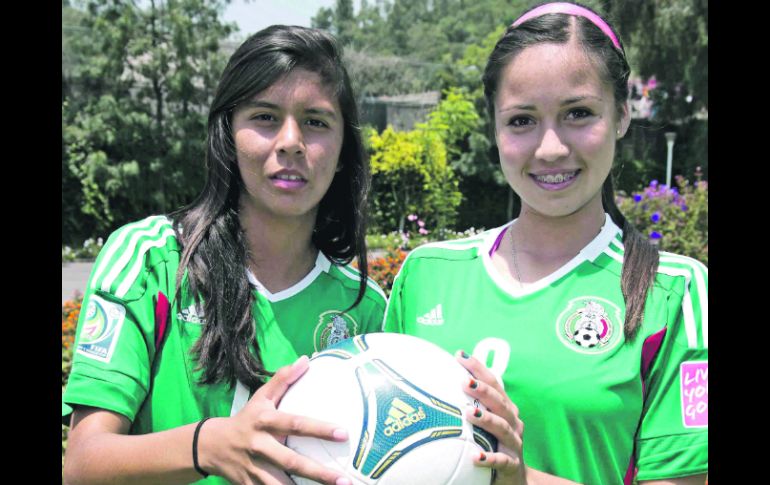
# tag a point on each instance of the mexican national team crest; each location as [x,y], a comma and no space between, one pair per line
[590,325]
[333,326]
[101,328]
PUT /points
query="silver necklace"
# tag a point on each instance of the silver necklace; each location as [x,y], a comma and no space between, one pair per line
[515,261]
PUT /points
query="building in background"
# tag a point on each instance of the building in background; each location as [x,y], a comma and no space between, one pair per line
[401,112]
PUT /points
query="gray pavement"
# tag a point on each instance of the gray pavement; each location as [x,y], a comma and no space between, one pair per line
[74,277]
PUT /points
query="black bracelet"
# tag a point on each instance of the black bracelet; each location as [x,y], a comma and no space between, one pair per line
[195,448]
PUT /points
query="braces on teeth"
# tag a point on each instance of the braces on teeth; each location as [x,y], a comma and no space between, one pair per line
[555,179]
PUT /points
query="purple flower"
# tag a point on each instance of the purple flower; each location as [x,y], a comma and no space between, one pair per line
[421,223]
[654,184]
[684,207]
[675,191]
[655,235]
[412,217]
[637,198]
[655,217]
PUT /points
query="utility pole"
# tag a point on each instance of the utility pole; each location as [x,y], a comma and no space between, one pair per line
[670,138]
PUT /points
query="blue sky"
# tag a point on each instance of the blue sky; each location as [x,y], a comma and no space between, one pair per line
[258,14]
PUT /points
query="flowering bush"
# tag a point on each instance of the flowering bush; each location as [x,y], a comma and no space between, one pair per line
[409,242]
[383,270]
[674,218]
[70,311]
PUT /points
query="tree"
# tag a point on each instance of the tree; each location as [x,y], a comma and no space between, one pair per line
[344,21]
[453,120]
[668,39]
[375,75]
[133,121]
[323,19]
[415,40]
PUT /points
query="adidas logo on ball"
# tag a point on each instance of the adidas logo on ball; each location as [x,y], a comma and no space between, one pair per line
[400,416]
[399,398]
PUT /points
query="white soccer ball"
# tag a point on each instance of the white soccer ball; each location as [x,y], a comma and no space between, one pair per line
[586,337]
[401,400]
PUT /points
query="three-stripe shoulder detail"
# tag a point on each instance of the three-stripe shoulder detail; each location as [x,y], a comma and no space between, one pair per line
[615,248]
[448,249]
[124,253]
[355,275]
[695,275]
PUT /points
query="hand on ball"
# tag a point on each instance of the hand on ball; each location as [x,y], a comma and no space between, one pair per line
[249,447]
[501,419]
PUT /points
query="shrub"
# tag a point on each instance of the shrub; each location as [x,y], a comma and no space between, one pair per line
[674,218]
[384,269]
[70,312]
[408,240]
[89,250]
[410,171]
[414,169]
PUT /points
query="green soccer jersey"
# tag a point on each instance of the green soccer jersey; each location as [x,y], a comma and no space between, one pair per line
[116,365]
[595,406]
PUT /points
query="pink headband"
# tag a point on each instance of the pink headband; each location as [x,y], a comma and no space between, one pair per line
[570,9]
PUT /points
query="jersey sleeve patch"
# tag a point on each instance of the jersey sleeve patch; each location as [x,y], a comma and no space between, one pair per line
[101,329]
[695,393]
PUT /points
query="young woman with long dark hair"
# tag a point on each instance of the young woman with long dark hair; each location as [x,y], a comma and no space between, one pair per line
[187,316]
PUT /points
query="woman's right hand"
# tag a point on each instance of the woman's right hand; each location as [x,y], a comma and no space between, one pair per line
[249,447]
[500,418]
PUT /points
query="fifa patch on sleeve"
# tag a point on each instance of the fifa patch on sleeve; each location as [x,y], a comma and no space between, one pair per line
[695,394]
[101,329]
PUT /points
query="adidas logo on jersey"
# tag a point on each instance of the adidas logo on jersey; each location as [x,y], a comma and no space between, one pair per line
[192,315]
[400,416]
[433,317]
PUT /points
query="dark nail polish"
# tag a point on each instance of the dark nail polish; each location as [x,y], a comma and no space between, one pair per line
[477,413]
[473,384]
[464,355]
[482,457]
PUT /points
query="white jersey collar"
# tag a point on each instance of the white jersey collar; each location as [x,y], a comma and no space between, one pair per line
[322,265]
[590,252]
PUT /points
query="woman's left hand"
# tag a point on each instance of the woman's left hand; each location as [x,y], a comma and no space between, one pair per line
[501,418]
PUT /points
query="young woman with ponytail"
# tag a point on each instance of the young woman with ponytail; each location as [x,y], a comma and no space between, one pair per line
[575,325]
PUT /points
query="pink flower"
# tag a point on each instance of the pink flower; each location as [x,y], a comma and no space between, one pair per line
[412,217]
[421,223]
[423,231]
